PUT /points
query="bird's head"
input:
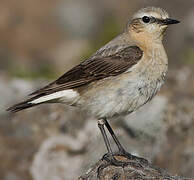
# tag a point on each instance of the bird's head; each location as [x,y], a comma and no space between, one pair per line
[150,22]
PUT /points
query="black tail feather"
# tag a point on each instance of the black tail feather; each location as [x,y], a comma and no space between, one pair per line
[21,106]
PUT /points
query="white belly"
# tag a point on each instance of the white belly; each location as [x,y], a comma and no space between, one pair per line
[118,96]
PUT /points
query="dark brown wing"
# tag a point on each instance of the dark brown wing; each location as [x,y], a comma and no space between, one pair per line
[94,69]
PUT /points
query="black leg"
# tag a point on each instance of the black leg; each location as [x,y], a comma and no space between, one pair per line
[122,150]
[120,147]
[109,157]
[101,123]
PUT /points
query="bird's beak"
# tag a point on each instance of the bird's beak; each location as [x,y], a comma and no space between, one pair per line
[169,21]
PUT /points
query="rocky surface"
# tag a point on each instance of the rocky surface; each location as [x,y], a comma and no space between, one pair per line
[133,168]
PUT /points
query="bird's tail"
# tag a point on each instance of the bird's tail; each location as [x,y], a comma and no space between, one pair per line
[25,104]
[21,106]
[68,96]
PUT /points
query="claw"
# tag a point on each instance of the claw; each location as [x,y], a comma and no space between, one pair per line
[112,161]
[130,156]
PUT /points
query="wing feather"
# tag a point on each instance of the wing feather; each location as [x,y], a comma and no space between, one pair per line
[94,69]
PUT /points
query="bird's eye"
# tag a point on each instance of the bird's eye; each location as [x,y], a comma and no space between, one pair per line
[146,19]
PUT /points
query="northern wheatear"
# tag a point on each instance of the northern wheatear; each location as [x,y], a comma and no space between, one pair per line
[119,78]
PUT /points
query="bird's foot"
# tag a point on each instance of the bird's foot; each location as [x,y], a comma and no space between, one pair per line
[111,161]
[121,159]
[130,156]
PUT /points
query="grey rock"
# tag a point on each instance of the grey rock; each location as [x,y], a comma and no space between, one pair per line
[149,119]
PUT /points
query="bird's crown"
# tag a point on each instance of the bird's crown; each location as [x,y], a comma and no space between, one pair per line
[158,13]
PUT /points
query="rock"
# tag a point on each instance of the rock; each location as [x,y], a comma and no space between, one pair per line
[134,168]
[63,156]
[149,119]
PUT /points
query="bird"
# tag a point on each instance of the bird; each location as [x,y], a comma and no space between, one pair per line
[117,79]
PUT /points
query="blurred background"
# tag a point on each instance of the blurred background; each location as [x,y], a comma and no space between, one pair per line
[40,40]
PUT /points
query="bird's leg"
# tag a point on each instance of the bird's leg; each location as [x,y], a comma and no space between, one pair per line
[121,149]
[109,157]
[101,123]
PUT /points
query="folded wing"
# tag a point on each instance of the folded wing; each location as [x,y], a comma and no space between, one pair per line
[89,71]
